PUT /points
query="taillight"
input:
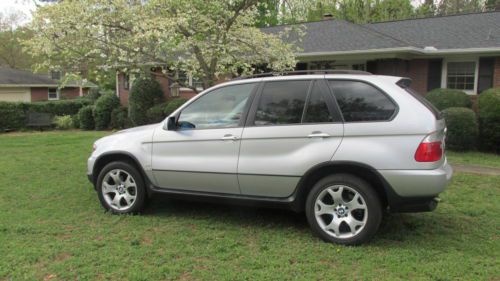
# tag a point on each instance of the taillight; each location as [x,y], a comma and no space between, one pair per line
[429,152]
[431,149]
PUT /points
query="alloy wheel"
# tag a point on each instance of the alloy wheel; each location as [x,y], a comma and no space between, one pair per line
[119,189]
[341,211]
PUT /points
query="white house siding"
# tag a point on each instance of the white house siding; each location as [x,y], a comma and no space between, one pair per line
[15,94]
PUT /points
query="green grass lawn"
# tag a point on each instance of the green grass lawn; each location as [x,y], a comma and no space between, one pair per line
[474,158]
[52,227]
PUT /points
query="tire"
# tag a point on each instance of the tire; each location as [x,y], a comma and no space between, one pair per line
[333,220]
[123,180]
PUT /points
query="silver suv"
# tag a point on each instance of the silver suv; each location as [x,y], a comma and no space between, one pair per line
[341,147]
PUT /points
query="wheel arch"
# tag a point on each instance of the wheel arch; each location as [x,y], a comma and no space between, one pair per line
[365,172]
[122,156]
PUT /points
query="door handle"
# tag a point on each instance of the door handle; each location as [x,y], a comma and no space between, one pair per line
[229,137]
[318,135]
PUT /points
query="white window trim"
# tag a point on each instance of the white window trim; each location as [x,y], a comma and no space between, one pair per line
[57,93]
[444,72]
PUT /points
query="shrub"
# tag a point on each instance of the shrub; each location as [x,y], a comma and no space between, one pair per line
[155,114]
[93,95]
[446,98]
[12,116]
[76,120]
[462,128]
[103,108]
[64,122]
[57,108]
[119,118]
[173,105]
[489,119]
[145,93]
[86,116]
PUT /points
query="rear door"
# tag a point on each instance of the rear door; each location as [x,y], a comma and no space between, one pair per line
[292,126]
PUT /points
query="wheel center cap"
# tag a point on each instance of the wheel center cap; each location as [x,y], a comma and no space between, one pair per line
[121,189]
[341,211]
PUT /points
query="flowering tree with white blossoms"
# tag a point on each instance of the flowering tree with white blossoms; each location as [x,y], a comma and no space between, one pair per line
[206,39]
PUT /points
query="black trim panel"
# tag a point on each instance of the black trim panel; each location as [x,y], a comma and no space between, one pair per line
[234,199]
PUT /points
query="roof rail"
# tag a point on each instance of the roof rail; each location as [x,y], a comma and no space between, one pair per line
[304,72]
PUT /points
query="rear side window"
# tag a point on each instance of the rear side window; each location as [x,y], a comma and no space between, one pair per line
[361,102]
[405,84]
[317,108]
[282,102]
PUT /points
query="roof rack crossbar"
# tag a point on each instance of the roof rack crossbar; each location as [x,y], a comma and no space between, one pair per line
[304,72]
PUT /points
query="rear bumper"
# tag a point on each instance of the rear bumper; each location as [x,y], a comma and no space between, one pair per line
[413,205]
[416,190]
[418,183]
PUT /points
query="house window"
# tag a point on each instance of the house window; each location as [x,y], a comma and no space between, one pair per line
[187,80]
[53,94]
[461,75]
[55,75]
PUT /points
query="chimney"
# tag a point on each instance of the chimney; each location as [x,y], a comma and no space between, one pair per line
[328,16]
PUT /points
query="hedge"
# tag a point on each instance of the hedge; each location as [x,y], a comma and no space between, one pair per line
[93,95]
[119,118]
[103,108]
[462,127]
[159,112]
[57,108]
[173,105]
[446,98]
[145,94]
[155,114]
[86,116]
[12,116]
[489,119]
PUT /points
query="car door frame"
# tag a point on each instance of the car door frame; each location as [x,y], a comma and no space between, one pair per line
[290,181]
[207,176]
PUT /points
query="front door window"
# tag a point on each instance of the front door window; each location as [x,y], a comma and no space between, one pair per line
[221,108]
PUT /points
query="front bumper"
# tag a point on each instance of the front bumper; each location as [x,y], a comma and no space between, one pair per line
[90,168]
[91,178]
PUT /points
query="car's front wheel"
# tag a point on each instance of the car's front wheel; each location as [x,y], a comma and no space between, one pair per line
[121,188]
[343,209]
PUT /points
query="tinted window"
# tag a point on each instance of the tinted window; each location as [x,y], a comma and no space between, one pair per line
[360,101]
[221,108]
[317,109]
[282,102]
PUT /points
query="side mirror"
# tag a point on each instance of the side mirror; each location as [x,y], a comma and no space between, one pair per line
[170,125]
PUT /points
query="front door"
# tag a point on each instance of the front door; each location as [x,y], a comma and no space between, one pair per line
[293,125]
[202,153]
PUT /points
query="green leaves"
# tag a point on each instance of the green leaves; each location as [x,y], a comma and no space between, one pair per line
[206,39]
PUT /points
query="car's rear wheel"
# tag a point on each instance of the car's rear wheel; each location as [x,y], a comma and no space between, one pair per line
[121,188]
[343,209]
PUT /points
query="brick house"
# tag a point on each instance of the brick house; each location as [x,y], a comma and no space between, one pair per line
[456,51]
[24,86]
[124,83]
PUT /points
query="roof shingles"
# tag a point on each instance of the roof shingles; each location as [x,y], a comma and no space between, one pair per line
[479,30]
[9,76]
